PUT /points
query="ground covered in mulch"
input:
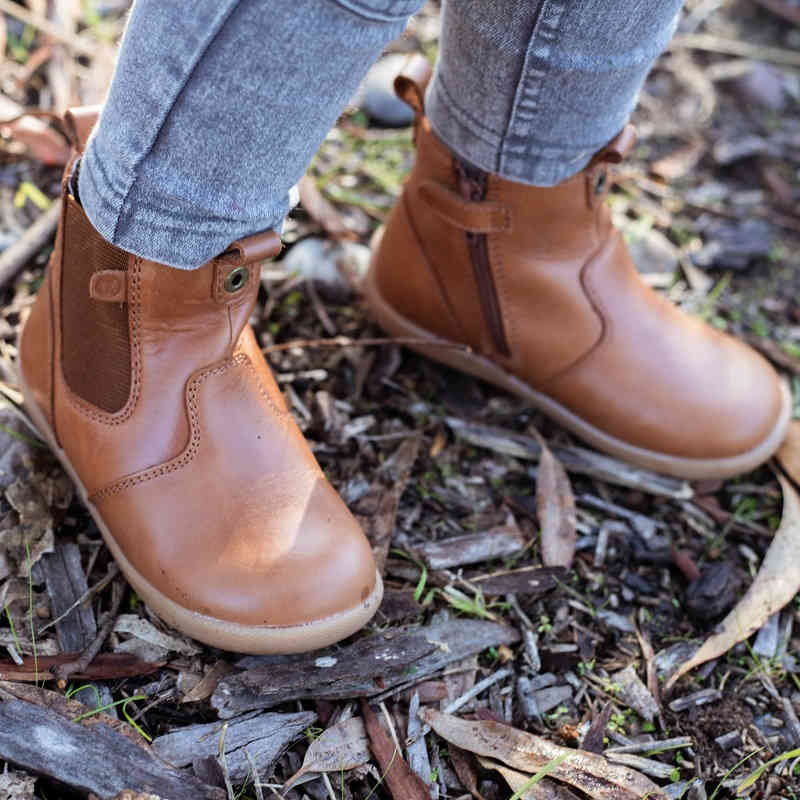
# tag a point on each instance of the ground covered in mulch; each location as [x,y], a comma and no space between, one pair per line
[442,471]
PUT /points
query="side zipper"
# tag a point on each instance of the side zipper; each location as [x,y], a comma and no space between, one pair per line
[472,183]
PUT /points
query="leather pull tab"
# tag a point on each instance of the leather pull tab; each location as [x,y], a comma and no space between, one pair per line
[619,147]
[79,123]
[411,83]
[259,247]
[466,215]
[109,286]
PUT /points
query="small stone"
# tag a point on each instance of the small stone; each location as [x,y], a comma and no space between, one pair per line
[326,261]
[763,86]
[377,99]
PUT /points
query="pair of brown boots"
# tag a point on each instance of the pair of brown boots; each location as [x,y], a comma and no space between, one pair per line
[149,385]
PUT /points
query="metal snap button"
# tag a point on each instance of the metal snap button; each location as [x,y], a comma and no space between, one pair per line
[600,182]
[236,279]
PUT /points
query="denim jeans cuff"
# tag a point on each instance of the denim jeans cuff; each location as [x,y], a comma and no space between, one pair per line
[382,10]
[137,226]
[476,144]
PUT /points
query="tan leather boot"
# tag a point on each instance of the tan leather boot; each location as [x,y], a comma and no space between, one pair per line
[149,385]
[540,286]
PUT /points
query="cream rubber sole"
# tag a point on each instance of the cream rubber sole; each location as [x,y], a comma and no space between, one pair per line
[232,636]
[456,357]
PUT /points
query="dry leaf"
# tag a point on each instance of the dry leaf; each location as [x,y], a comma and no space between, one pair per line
[205,687]
[462,764]
[777,582]
[544,789]
[593,741]
[789,454]
[588,772]
[555,508]
[403,783]
[145,631]
[342,746]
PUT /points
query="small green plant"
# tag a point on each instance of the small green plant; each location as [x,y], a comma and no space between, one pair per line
[757,773]
[545,626]
[733,769]
[585,667]
[475,606]
[542,773]
[311,733]
[124,703]
[13,630]
[30,615]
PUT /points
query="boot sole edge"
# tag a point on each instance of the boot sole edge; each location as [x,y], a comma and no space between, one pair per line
[224,634]
[448,353]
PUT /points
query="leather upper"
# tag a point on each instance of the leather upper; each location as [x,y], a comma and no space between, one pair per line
[203,478]
[580,325]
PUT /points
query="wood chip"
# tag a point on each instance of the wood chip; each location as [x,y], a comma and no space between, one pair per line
[503,540]
[66,583]
[365,668]
[91,755]
[575,459]
[263,736]
[524,581]
[634,694]
[386,489]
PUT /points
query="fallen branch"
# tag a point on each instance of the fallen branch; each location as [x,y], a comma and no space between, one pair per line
[46,26]
[735,47]
[80,665]
[346,341]
[25,248]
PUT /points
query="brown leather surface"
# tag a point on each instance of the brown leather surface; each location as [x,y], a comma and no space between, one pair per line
[201,475]
[266,539]
[677,385]
[444,253]
[580,325]
[79,123]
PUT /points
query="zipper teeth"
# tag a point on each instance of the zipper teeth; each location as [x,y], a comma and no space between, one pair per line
[473,185]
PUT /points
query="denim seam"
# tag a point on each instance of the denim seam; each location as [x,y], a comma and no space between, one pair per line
[404,10]
[186,77]
[466,119]
[530,83]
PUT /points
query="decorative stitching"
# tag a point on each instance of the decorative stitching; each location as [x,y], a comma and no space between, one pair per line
[190,451]
[134,313]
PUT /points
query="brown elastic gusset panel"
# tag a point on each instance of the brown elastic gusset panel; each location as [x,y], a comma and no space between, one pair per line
[96,354]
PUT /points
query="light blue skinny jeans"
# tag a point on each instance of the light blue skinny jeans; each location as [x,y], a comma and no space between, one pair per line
[216,107]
